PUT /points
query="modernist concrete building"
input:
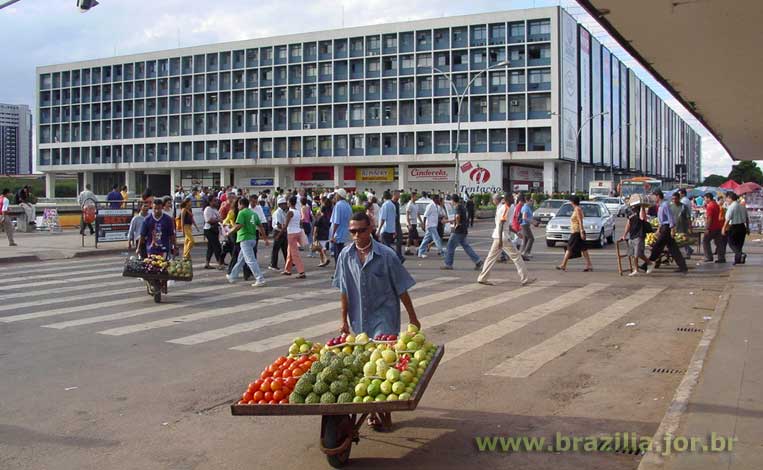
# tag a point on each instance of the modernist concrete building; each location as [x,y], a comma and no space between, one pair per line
[15,139]
[363,107]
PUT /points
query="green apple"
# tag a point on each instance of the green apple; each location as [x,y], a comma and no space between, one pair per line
[400,345]
[294,349]
[409,389]
[368,398]
[406,376]
[404,396]
[361,338]
[365,380]
[369,369]
[412,328]
[393,375]
[415,380]
[386,387]
[381,397]
[405,336]
[299,341]
[376,355]
[419,355]
[361,390]
[392,397]
[423,364]
[303,348]
[350,339]
[376,382]
[398,387]
[419,338]
[412,346]
[381,368]
[389,356]
[357,399]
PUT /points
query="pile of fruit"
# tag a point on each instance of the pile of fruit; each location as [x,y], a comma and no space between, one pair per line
[277,381]
[680,238]
[385,338]
[157,264]
[347,369]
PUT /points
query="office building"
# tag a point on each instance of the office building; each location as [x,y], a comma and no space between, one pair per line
[373,106]
[15,139]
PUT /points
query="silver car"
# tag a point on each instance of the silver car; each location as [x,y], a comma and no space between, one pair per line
[599,224]
[615,205]
[547,209]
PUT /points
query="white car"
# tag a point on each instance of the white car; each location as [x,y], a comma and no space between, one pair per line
[422,204]
[616,206]
[598,223]
[547,209]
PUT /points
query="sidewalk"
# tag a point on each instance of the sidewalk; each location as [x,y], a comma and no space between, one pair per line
[44,246]
[728,397]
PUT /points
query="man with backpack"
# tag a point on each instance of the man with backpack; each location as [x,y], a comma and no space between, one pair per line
[86,198]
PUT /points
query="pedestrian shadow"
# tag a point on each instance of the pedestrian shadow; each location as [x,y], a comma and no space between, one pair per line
[26,437]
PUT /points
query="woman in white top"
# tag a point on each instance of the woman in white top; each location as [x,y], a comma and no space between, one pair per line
[212,234]
[293,236]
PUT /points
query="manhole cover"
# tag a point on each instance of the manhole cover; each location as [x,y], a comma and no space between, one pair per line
[667,370]
[689,329]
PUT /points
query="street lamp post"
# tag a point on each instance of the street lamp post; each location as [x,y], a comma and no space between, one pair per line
[577,144]
[461,97]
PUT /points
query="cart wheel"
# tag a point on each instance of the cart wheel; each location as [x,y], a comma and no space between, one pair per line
[336,439]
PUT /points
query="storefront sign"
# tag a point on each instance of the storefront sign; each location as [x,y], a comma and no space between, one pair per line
[113,224]
[375,174]
[481,177]
[431,173]
[525,173]
[261,182]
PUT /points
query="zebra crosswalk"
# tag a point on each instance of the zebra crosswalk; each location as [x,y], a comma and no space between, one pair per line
[92,298]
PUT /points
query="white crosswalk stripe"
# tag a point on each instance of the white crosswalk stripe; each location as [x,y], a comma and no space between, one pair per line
[487,334]
[532,359]
[24,280]
[225,295]
[317,330]
[280,318]
[74,285]
[49,266]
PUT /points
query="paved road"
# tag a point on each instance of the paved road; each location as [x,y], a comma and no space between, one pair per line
[95,375]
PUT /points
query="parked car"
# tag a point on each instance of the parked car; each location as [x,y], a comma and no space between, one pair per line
[599,224]
[422,204]
[616,206]
[547,209]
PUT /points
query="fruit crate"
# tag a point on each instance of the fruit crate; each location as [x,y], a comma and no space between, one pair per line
[340,422]
[129,271]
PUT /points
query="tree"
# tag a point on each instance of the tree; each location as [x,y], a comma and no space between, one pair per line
[745,171]
[714,180]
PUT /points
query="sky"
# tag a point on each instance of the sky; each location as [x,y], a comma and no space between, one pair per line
[44,32]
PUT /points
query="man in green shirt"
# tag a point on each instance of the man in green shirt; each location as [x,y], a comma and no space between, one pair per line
[247,225]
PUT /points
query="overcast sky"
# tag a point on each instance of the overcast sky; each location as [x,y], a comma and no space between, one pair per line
[44,32]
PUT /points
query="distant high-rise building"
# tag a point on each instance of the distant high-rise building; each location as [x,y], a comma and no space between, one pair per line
[15,139]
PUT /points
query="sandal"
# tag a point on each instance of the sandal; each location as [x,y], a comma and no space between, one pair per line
[588,270]
[561,268]
[301,276]
[285,273]
[208,267]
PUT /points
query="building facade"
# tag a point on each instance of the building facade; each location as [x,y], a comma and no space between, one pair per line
[374,106]
[15,139]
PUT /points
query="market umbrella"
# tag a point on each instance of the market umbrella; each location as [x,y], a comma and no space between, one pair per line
[730,184]
[748,187]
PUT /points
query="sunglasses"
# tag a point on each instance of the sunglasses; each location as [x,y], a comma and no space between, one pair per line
[356,231]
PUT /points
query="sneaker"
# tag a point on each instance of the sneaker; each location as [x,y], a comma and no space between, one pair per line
[486,282]
[650,268]
[230,279]
[744,257]
[446,268]
[259,283]
[13,244]
[478,266]
[634,273]
[528,281]
[273,269]
[422,256]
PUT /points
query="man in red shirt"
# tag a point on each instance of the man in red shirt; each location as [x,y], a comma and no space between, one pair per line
[713,226]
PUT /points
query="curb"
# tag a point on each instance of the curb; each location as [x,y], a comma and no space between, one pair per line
[653,460]
[19,259]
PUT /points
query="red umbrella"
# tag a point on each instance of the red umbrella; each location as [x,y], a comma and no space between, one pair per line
[730,184]
[748,187]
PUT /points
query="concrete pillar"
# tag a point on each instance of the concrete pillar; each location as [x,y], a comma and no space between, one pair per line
[130,183]
[402,176]
[564,182]
[224,177]
[277,177]
[339,176]
[549,176]
[50,185]
[175,180]
[87,178]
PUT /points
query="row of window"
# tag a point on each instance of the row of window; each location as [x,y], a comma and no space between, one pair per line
[371,45]
[474,109]
[311,73]
[363,90]
[404,143]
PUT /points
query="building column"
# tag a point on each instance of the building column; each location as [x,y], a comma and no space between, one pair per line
[338,176]
[130,183]
[175,180]
[564,176]
[402,176]
[87,178]
[50,185]
[549,176]
[224,177]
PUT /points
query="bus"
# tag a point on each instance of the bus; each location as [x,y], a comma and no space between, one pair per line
[638,185]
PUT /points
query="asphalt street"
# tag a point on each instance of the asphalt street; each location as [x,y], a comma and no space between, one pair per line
[96,375]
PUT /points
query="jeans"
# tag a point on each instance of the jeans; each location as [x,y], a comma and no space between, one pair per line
[248,257]
[431,235]
[527,240]
[308,228]
[394,243]
[455,240]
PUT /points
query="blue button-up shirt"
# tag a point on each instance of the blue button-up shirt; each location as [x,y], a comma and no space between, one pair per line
[665,216]
[373,290]
[388,214]
[341,217]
